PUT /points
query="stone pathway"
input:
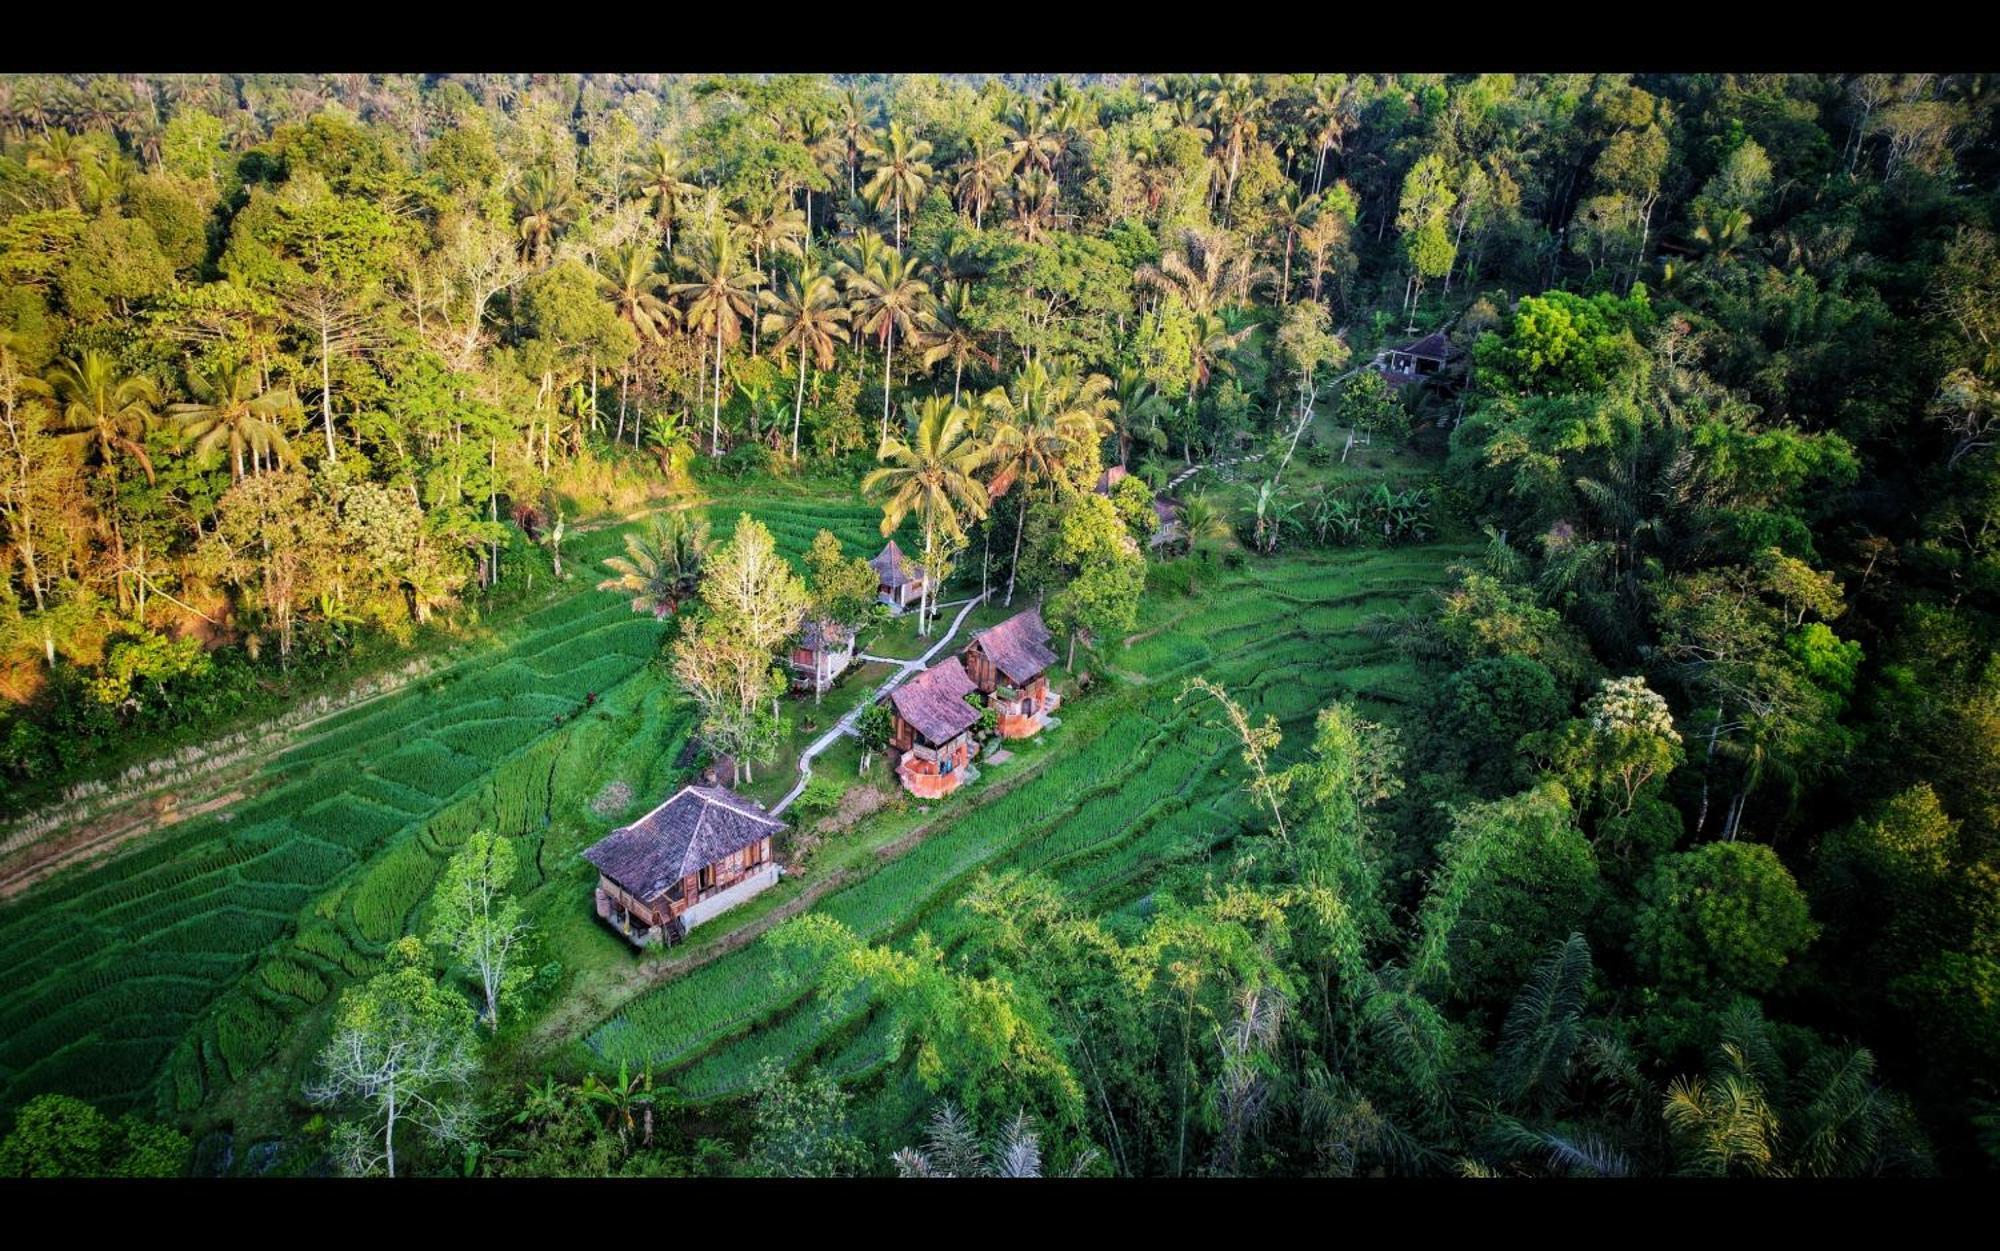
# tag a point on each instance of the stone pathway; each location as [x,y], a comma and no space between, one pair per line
[847,723]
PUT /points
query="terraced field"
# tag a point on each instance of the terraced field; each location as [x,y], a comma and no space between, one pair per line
[1128,786]
[186,964]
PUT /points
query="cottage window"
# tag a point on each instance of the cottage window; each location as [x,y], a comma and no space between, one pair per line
[707,877]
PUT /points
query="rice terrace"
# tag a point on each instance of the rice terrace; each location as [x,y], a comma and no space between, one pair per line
[1281,625]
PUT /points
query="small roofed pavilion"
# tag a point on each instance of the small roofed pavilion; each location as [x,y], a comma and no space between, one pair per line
[822,653]
[932,733]
[701,852]
[899,580]
[1008,664]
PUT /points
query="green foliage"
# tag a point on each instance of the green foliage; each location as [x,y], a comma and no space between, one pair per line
[1722,917]
[57,1136]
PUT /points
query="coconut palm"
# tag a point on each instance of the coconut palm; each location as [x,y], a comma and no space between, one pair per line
[981,176]
[805,315]
[1207,270]
[1291,212]
[1036,140]
[229,411]
[657,174]
[1035,196]
[1201,522]
[1038,423]
[854,130]
[632,280]
[771,228]
[932,476]
[1140,407]
[1329,116]
[949,335]
[1235,109]
[64,160]
[899,170]
[544,206]
[721,294]
[661,569]
[99,412]
[891,298]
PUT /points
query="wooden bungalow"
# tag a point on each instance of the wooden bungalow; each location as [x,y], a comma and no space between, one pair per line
[1008,664]
[1430,359]
[822,653]
[899,580]
[700,853]
[933,730]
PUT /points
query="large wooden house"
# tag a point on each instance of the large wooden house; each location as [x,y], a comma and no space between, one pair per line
[899,581]
[822,653]
[700,853]
[932,732]
[1008,664]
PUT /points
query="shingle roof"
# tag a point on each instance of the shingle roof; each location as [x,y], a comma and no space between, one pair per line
[698,826]
[894,568]
[821,633]
[934,701]
[1433,346]
[1018,646]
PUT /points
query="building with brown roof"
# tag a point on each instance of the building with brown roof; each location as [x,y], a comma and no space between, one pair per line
[1426,360]
[821,653]
[701,852]
[1008,664]
[932,731]
[1110,478]
[899,580]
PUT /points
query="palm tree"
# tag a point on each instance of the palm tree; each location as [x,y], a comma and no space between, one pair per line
[99,412]
[66,161]
[228,410]
[854,129]
[1035,196]
[1234,106]
[891,298]
[632,279]
[721,295]
[661,569]
[1039,422]
[1140,407]
[1208,271]
[898,169]
[1201,522]
[981,176]
[932,476]
[1291,213]
[805,315]
[657,173]
[950,336]
[1328,118]
[545,206]
[771,228]
[1036,142]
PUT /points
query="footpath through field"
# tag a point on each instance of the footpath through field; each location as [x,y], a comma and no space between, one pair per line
[847,723]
